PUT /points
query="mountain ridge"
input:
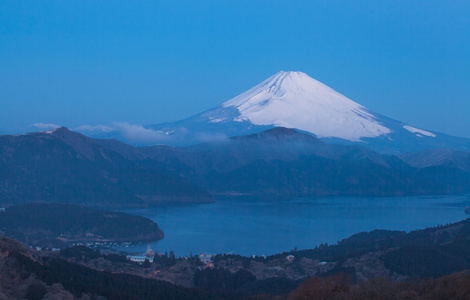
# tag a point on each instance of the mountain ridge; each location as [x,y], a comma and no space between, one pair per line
[65,166]
[295,100]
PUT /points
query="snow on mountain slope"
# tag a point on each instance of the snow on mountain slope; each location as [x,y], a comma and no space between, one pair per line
[295,100]
[419,131]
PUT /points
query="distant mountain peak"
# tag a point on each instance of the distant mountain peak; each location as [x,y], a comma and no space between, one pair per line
[292,99]
[79,142]
[279,133]
[295,100]
[64,133]
[63,130]
[58,130]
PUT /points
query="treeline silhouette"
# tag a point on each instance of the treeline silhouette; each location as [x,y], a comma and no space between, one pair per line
[42,221]
[82,280]
[341,287]
[84,253]
[430,252]
[242,283]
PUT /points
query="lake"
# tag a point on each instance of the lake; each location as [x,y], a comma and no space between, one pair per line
[250,226]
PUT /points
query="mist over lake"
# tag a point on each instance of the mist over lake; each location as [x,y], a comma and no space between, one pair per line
[248,226]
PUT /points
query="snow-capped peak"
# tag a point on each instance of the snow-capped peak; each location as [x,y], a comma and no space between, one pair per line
[295,100]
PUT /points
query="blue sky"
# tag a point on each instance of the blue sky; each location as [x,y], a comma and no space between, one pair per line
[144,62]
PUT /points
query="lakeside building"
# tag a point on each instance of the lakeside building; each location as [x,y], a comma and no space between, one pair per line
[141,258]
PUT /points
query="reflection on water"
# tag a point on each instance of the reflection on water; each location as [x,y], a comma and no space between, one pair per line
[250,226]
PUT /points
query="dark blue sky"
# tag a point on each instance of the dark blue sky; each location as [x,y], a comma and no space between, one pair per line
[95,62]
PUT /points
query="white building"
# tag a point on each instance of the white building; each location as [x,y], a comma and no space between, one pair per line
[139,258]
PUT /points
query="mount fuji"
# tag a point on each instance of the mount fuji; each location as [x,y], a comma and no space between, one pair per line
[295,100]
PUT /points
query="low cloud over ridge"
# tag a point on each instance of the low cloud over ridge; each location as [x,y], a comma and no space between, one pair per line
[139,135]
[45,125]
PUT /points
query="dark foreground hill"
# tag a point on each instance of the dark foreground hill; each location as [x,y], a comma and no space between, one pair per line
[27,274]
[42,224]
[432,263]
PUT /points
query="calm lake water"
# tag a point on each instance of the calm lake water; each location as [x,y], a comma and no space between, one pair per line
[248,226]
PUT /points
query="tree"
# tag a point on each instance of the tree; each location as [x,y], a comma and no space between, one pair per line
[146,263]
